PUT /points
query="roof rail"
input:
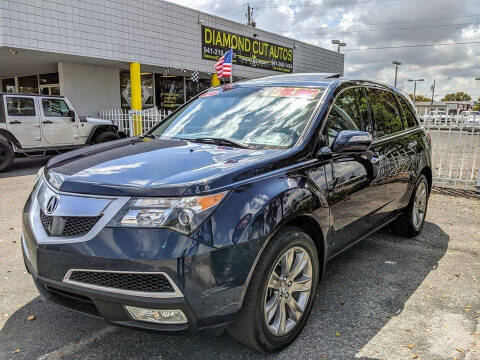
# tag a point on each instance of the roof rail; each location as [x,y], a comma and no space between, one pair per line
[333,75]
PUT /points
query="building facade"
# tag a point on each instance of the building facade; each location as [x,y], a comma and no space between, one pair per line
[449,107]
[82,49]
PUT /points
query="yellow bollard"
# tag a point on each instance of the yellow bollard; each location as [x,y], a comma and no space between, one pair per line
[136,96]
[215,80]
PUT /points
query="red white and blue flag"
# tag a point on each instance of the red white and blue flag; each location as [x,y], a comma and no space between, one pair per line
[224,65]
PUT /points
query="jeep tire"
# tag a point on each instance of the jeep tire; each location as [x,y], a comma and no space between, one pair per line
[7,155]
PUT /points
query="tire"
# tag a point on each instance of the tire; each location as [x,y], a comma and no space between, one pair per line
[251,326]
[106,136]
[407,224]
[7,155]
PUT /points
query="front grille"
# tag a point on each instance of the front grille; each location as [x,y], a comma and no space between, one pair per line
[67,225]
[124,281]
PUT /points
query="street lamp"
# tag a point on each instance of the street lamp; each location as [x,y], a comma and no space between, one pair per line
[339,44]
[396,63]
[415,86]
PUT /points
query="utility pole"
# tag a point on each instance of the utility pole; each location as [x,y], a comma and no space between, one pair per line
[433,92]
[396,63]
[415,87]
[249,16]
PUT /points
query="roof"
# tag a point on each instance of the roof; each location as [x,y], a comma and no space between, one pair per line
[300,79]
[27,94]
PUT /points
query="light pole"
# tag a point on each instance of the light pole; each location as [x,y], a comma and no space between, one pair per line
[396,63]
[339,44]
[415,86]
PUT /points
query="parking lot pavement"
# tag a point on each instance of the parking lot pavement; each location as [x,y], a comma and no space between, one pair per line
[386,298]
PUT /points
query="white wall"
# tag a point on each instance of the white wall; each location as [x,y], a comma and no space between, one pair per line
[90,88]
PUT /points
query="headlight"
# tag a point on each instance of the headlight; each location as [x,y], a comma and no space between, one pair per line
[55,179]
[180,214]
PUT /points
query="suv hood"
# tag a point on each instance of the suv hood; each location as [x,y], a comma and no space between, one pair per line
[146,167]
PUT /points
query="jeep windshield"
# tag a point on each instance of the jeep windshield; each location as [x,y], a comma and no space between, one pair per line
[257,117]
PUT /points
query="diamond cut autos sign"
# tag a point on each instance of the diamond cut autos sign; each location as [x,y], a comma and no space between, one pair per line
[247,51]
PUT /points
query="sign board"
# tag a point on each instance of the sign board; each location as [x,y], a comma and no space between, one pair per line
[247,51]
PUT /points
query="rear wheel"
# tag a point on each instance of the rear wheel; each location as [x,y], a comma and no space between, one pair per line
[7,155]
[410,223]
[281,293]
[106,136]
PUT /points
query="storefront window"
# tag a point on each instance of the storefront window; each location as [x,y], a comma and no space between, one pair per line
[194,88]
[147,89]
[49,84]
[169,92]
[28,84]
[8,85]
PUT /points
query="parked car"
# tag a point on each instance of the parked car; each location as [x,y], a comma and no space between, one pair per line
[439,117]
[38,124]
[226,213]
[470,117]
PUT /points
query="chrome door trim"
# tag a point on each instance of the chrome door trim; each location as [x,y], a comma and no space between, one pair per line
[159,295]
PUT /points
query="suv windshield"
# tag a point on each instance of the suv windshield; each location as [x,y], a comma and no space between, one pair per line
[255,116]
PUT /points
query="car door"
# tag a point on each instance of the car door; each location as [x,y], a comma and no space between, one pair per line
[58,127]
[22,120]
[351,195]
[390,149]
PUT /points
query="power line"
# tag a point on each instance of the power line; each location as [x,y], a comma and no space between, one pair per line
[414,46]
[384,29]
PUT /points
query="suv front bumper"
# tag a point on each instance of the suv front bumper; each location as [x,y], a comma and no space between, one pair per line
[207,289]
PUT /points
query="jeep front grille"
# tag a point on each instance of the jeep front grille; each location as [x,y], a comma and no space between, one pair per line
[67,225]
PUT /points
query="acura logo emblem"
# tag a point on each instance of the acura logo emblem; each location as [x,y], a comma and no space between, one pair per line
[52,204]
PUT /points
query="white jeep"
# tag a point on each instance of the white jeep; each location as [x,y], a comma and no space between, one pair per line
[32,125]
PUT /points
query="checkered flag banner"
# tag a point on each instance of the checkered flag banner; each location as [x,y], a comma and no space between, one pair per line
[166,71]
[195,75]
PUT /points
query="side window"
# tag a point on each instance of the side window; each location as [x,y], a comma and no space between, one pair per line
[385,112]
[55,108]
[408,115]
[344,115]
[19,106]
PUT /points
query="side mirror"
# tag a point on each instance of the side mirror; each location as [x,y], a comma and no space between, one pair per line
[349,140]
[71,114]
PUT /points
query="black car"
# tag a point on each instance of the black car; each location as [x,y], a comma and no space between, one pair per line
[226,213]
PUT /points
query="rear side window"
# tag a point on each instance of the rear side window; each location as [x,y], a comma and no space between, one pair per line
[410,120]
[386,114]
[55,108]
[19,106]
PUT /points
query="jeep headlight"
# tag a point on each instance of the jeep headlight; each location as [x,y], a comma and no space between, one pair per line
[182,214]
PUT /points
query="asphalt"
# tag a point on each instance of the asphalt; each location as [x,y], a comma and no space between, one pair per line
[386,298]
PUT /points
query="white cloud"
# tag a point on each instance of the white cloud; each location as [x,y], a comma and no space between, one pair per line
[377,24]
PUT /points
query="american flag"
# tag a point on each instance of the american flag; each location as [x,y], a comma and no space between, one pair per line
[224,65]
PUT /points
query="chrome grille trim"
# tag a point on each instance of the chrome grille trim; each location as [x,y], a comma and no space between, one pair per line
[160,295]
[113,206]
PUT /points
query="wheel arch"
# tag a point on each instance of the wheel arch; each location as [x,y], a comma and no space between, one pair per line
[427,171]
[10,138]
[98,129]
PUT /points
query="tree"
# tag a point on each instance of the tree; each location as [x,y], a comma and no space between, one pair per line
[419,97]
[458,96]
[477,106]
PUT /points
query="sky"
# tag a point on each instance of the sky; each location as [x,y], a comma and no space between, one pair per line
[379,23]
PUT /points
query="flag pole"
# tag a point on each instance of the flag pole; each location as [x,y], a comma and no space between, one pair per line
[231,72]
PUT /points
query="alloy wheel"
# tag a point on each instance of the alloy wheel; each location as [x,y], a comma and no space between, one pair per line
[419,205]
[288,290]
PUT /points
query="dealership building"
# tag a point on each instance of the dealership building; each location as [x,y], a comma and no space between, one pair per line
[84,49]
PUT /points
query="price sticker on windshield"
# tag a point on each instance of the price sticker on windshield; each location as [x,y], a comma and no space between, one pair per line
[210,93]
[299,93]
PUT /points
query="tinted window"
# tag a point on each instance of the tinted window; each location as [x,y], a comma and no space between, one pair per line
[18,106]
[348,113]
[55,108]
[385,112]
[410,119]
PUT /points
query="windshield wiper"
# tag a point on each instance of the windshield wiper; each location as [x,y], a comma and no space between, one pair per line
[220,141]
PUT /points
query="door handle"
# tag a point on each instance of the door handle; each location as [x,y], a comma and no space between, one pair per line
[47,122]
[15,122]
[412,145]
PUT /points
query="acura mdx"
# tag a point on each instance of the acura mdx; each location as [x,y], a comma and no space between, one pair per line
[225,214]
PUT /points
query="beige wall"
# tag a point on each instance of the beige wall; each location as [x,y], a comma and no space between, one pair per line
[90,88]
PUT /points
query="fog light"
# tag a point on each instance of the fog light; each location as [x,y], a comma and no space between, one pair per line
[157,315]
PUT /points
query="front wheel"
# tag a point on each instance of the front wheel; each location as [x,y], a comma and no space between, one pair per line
[410,223]
[281,293]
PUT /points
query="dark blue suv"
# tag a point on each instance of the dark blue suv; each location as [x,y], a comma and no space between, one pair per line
[226,213]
